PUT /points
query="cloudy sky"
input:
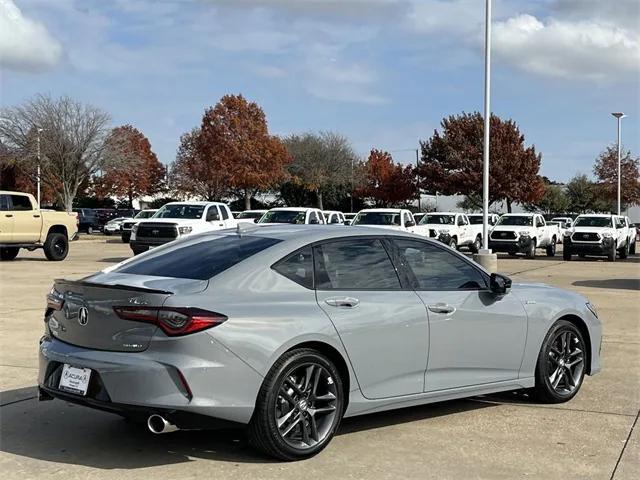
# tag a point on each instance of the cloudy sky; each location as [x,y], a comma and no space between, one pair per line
[382,72]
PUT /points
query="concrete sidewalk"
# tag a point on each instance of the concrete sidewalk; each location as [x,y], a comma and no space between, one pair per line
[495,437]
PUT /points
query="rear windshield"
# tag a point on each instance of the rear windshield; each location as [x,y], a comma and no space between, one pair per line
[593,222]
[377,218]
[198,260]
[284,216]
[477,219]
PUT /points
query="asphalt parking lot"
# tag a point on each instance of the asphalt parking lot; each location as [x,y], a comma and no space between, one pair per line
[494,437]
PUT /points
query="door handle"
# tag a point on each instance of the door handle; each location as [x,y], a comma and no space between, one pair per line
[36,216]
[342,302]
[441,308]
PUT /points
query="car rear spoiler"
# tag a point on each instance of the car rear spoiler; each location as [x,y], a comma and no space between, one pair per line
[116,286]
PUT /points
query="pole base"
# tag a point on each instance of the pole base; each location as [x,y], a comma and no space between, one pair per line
[487,260]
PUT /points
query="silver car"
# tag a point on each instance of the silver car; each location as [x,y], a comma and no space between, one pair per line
[287,329]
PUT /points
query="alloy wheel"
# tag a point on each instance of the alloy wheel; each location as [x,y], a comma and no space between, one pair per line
[565,362]
[306,406]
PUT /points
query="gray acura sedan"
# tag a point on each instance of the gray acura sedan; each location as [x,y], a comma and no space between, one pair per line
[288,329]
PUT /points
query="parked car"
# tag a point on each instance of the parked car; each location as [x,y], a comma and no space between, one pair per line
[637,227]
[475,221]
[392,218]
[87,220]
[523,233]
[288,330]
[334,217]
[114,226]
[293,215]
[418,216]
[451,228]
[598,235]
[632,234]
[127,225]
[250,216]
[348,218]
[179,219]
[24,225]
[567,221]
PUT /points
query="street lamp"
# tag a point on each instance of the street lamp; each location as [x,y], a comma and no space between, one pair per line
[40,130]
[487,118]
[619,116]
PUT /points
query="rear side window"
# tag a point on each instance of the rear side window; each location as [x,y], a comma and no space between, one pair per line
[225,214]
[199,260]
[297,267]
[21,202]
[361,264]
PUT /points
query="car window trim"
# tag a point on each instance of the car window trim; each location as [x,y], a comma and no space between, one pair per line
[313,266]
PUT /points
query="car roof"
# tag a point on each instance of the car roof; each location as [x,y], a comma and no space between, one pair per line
[384,210]
[446,213]
[523,214]
[292,209]
[603,215]
[196,203]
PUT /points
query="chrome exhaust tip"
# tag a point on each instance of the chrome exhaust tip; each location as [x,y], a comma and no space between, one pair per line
[158,424]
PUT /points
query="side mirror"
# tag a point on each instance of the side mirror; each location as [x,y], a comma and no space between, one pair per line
[499,284]
[410,224]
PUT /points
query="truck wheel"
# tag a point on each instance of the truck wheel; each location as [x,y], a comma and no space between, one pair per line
[551,248]
[56,247]
[453,244]
[566,255]
[139,250]
[624,251]
[9,253]
[531,252]
[476,245]
[611,256]
[632,248]
[89,230]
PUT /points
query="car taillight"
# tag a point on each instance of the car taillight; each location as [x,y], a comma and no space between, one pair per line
[173,321]
[55,300]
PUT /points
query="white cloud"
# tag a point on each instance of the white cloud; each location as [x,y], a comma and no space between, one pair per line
[567,49]
[25,44]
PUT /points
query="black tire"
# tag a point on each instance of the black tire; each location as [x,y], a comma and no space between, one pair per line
[453,243]
[611,256]
[476,245]
[56,247]
[624,251]
[89,230]
[264,433]
[9,253]
[531,252]
[632,248]
[107,233]
[551,248]
[139,250]
[566,254]
[544,390]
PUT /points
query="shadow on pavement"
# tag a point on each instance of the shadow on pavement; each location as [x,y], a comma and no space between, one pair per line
[615,283]
[113,259]
[60,432]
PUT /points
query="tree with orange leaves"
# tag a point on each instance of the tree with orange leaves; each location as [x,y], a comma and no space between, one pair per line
[134,169]
[385,182]
[234,139]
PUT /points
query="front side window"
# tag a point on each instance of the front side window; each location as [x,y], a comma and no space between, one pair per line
[438,269]
[297,267]
[21,202]
[198,259]
[361,264]
[180,211]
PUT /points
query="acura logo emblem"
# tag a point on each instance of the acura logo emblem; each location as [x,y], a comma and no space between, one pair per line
[83,316]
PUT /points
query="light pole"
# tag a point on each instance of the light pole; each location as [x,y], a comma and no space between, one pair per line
[418,179]
[619,116]
[487,118]
[38,171]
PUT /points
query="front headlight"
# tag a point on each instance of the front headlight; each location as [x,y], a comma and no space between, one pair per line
[607,235]
[592,309]
[567,233]
[184,230]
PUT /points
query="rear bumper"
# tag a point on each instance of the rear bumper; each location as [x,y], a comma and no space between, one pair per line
[220,386]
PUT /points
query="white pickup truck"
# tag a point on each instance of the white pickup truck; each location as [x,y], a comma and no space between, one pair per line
[523,233]
[24,225]
[476,226]
[451,228]
[393,218]
[598,235]
[179,219]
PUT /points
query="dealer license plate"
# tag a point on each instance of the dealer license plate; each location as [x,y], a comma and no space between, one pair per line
[74,380]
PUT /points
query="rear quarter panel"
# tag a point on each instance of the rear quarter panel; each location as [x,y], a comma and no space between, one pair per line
[51,219]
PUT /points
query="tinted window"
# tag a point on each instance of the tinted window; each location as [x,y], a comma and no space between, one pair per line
[21,202]
[225,214]
[297,267]
[180,211]
[438,269]
[361,264]
[283,216]
[199,259]
[377,218]
[593,222]
[4,202]
[438,219]
[522,221]
[249,215]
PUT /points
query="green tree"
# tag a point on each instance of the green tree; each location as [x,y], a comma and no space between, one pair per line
[554,200]
[581,194]
[606,171]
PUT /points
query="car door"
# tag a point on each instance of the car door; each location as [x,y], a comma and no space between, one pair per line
[542,232]
[6,219]
[227,218]
[475,337]
[27,222]
[213,217]
[384,328]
